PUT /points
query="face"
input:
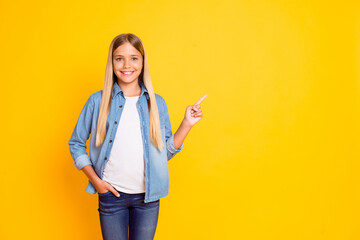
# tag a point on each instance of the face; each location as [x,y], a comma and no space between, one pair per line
[127,62]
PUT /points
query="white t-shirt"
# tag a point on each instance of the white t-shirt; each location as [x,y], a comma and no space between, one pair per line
[125,170]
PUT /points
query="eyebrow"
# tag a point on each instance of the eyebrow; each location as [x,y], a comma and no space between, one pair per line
[123,55]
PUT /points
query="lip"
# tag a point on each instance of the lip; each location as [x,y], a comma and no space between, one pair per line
[132,72]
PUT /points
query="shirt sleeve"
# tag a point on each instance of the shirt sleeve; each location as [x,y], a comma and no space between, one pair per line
[170,146]
[80,135]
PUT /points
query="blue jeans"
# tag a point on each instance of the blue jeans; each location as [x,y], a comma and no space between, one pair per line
[127,217]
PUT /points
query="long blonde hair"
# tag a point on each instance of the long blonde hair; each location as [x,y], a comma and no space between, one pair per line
[110,79]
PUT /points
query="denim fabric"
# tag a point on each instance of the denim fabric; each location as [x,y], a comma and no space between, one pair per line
[127,216]
[156,162]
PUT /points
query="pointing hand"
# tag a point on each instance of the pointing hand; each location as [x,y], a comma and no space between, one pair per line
[193,113]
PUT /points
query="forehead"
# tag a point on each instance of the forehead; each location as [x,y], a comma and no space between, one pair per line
[126,49]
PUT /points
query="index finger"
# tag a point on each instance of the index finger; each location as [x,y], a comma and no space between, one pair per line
[201,99]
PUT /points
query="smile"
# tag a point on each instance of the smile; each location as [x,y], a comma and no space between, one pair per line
[127,73]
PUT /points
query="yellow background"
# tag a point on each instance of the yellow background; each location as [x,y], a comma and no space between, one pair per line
[276,155]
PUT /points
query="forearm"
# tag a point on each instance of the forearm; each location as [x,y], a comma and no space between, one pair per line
[91,174]
[181,133]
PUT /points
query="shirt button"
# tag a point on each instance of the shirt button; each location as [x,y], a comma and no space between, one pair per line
[105,158]
[115,122]
[121,106]
[110,141]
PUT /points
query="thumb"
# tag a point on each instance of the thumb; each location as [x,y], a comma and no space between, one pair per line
[113,190]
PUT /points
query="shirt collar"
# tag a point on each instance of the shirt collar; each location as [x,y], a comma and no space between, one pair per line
[117,89]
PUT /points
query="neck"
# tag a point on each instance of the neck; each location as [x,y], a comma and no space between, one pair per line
[130,89]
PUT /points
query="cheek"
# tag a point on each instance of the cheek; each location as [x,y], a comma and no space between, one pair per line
[116,66]
[138,65]
[116,70]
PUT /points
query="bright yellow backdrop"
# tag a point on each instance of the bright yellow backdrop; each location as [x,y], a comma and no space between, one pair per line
[276,155]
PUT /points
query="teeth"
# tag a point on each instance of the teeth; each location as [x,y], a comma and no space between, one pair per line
[127,73]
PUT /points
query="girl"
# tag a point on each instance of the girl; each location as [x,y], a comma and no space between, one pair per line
[131,143]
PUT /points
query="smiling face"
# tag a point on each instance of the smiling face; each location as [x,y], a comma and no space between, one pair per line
[127,63]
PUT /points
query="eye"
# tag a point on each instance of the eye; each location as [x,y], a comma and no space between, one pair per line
[117,59]
[135,58]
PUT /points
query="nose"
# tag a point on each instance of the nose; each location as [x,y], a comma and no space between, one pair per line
[126,63]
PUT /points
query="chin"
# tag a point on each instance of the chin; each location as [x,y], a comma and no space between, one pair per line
[127,80]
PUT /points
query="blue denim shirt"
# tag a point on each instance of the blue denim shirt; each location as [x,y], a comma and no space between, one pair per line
[156,162]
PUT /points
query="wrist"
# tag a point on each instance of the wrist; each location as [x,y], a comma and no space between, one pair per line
[96,181]
[186,123]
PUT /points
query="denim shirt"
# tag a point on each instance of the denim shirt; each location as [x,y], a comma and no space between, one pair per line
[156,162]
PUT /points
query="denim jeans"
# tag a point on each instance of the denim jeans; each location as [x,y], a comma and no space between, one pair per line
[127,217]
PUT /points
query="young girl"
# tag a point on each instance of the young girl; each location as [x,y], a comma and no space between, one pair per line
[131,143]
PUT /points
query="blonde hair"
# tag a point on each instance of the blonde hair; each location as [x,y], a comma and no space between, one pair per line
[110,79]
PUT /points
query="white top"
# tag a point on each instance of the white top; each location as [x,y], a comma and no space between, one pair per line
[125,170]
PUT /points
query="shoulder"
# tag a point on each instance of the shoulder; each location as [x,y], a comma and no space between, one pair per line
[160,102]
[95,98]
[159,98]
[162,107]
[96,95]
